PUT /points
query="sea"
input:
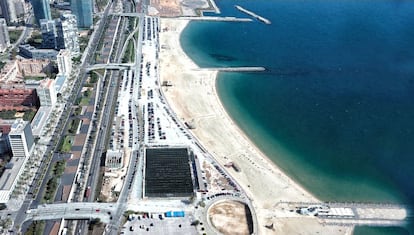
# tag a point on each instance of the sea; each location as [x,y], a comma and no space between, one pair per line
[335,107]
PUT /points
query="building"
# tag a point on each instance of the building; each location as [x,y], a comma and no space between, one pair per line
[10,176]
[4,144]
[18,99]
[114,159]
[21,142]
[29,51]
[15,71]
[12,10]
[6,11]
[168,173]
[41,10]
[67,31]
[4,36]
[46,92]
[21,139]
[5,126]
[82,9]
[49,34]
[20,10]
[64,62]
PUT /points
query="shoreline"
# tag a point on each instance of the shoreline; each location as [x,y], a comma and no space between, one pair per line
[193,96]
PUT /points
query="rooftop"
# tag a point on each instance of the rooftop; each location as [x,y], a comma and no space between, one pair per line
[18,126]
[9,177]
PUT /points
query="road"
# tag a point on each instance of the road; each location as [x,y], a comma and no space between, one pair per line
[62,122]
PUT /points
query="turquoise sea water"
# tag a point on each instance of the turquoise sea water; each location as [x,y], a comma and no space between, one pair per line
[335,110]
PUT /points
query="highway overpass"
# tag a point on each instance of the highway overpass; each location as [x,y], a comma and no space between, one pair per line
[112,66]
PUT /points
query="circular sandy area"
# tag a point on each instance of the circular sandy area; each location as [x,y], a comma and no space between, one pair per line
[231,217]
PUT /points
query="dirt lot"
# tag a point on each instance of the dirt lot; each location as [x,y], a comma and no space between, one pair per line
[229,217]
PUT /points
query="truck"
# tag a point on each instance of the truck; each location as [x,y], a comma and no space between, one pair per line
[88,191]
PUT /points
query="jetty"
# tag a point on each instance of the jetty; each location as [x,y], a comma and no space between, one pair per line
[264,20]
[216,18]
[233,69]
[344,214]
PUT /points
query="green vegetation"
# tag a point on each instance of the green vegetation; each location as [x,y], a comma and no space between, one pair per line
[33,78]
[36,39]
[86,96]
[59,167]
[11,114]
[67,144]
[129,212]
[6,223]
[52,184]
[129,53]
[2,64]
[14,35]
[29,115]
[77,111]
[36,228]
[83,42]
[131,23]
[94,78]
[76,60]
[95,19]
[73,126]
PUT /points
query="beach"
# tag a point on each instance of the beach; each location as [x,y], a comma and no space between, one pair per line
[193,98]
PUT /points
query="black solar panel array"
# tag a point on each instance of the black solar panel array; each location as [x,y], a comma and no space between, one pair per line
[168,173]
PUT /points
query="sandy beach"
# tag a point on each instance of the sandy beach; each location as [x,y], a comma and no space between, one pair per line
[193,97]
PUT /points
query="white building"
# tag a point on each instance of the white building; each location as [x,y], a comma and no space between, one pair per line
[47,92]
[22,144]
[64,62]
[4,36]
[68,33]
[21,139]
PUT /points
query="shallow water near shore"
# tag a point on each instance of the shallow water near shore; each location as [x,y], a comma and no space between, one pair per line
[335,109]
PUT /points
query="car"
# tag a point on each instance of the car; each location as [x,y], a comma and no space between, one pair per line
[97,210]
[77,209]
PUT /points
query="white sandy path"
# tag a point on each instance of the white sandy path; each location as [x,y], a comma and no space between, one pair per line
[193,96]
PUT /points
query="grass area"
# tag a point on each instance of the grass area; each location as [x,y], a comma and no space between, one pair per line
[67,144]
[85,100]
[51,186]
[36,228]
[94,78]
[129,52]
[11,114]
[14,35]
[131,23]
[86,96]
[73,126]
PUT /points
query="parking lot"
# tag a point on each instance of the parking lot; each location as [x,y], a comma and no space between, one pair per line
[155,225]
